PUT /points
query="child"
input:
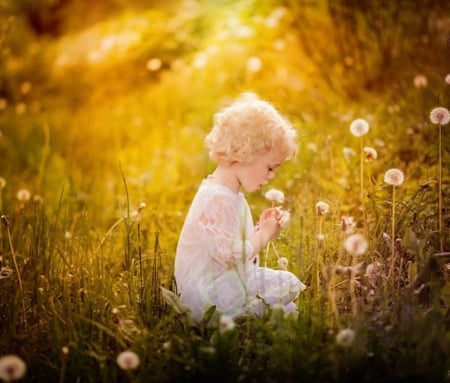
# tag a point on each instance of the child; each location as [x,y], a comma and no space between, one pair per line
[217,260]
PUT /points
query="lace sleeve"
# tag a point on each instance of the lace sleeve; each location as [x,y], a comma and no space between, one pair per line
[222,224]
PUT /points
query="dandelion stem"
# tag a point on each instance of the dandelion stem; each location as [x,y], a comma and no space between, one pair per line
[361,170]
[441,241]
[391,268]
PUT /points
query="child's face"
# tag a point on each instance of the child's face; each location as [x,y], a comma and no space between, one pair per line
[255,174]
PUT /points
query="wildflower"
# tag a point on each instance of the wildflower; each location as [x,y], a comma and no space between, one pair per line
[23,195]
[345,337]
[274,195]
[420,81]
[127,360]
[348,153]
[371,153]
[2,183]
[359,127]
[285,216]
[355,244]
[12,368]
[394,177]
[347,224]
[283,263]
[440,116]
[226,323]
[322,208]
[254,64]
[154,64]
[320,237]
[372,272]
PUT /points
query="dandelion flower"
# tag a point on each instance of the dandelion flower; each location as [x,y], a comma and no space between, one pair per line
[254,64]
[128,360]
[359,127]
[154,64]
[321,237]
[12,368]
[355,244]
[348,224]
[226,323]
[447,79]
[345,337]
[2,183]
[322,208]
[371,153]
[420,81]
[440,116]
[284,218]
[373,272]
[283,263]
[274,195]
[348,153]
[23,195]
[394,177]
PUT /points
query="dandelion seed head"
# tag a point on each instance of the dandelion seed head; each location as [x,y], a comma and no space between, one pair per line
[355,244]
[12,367]
[322,208]
[23,195]
[348,153]
[274,195]
[447,79]
[345,337]
[321,237]
[420,81]
[359,127]
[372,272]
[371,153]
[394,177]
[128,360]
[283,263]
[285,218]
[440,116]
[348,224]
[226,323]
[65,350]
[254,64]
[154,64]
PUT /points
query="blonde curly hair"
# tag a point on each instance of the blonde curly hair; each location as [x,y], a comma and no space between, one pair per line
[248,128]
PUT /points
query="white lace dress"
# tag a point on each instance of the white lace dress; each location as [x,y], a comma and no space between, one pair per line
[215,264]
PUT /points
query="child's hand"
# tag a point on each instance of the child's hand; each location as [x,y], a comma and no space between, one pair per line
[269,223]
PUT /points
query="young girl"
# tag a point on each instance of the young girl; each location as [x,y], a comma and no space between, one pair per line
[217,260]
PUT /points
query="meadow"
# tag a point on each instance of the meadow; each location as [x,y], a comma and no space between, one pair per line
[103,112]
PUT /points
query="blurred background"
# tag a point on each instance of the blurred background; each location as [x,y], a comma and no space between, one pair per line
[95,93]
